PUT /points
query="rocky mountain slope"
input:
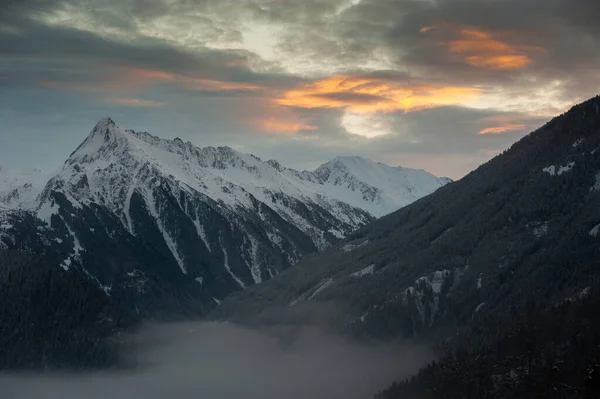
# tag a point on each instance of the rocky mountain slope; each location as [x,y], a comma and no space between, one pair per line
[524,225]
[168,229]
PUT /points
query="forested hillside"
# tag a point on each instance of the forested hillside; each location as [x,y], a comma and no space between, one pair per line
[543,353]
[499,270]
[50,318]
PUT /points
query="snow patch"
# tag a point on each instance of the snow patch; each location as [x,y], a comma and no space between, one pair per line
[226,264]
[352,247]
[596,186]
[311,293]
[336,233]
[46,210]
[579,296]
[541,230]
[552,170]
[76,251]
[420,294]
[364,272]
[322,286]
[363,317]
[254,261]
[201,233]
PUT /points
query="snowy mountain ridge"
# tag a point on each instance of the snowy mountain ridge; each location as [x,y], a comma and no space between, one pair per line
[19,188]
[209,169]
[133,211]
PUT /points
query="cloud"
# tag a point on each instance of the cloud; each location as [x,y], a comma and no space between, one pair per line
[224,361]
[146,74]
[483,49]
[281,126]
[136,102]
[370,94]
[218,86]
[502,129]
[120,79]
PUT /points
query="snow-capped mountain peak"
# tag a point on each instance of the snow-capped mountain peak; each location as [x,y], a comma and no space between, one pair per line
[371,186]
[380,187]
[214,219]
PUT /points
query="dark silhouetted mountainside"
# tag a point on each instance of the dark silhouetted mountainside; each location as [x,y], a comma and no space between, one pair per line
[520,232]
[523,224]
[50,318]
[543,352]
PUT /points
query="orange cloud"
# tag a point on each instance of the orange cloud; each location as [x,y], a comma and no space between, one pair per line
[115,79]
[369,95]
[136,102]
[120,79]
[502,129]
[217,85]
[499,61]
[280,126]
[485,50]
[146,74]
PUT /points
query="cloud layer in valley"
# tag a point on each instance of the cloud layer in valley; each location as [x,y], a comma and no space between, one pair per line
[222,361]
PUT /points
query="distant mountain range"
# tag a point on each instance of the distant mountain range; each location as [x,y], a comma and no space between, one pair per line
[168,229]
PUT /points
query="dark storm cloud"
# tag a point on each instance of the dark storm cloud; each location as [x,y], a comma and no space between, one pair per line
[72,48]
[31,42]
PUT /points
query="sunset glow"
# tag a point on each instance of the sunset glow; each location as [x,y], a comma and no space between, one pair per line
[368,95]
[274,125]
[216,85]
[485,50]
[502,129]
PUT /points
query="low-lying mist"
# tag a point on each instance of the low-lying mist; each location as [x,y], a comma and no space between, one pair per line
[225,361]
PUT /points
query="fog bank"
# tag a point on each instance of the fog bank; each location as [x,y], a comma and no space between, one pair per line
[225,361]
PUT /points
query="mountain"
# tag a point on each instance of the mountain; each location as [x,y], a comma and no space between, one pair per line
[54,319]
[168,229]
[521,228]
[375,187]
[20,188]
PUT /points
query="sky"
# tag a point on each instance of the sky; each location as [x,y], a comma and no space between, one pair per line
[442,85]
